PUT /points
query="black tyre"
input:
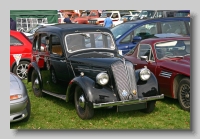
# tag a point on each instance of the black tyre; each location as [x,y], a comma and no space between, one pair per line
[36,85]
[21,69]
[150,107]
[83,109]
[184,94]
[28,108]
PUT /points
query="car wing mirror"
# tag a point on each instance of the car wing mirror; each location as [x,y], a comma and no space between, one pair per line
[42,49]
[144,58]
[137,38]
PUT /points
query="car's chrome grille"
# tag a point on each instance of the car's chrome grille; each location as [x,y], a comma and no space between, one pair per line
[92,21]
[124,76]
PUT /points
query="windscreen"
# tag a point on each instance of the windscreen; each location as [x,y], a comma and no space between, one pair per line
[92,40]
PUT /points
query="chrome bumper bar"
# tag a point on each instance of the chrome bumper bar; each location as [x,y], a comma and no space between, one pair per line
[128,102]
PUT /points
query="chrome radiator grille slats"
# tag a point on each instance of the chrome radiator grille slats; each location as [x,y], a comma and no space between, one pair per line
[92,21]
[124,76]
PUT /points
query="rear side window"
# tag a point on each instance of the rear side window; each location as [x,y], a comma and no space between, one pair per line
[177,27]
[55,45]
[145,50]
[15,42]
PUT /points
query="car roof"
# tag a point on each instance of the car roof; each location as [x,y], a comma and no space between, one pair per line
[72,27]
[156,19]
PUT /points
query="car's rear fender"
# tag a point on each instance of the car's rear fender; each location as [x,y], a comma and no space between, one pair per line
[33,66]
[92,93]
[146,88]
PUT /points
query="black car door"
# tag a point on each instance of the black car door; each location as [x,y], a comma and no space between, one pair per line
[58,67]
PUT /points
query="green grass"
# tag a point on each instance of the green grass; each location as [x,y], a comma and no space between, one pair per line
[53,113]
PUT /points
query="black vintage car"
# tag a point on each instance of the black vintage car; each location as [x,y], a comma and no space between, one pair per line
[81,63]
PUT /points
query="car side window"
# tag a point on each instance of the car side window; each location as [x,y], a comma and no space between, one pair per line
[115,15]
[127,39]
[55,45]
[145,50]
[14,41]
[177,27]
[35,44]
[159,14]
[44,42]
[146,31]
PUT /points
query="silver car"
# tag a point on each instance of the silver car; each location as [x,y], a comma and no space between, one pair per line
[20,107]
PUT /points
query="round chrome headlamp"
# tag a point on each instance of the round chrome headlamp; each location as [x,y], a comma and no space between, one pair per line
[145,74]
[102,78]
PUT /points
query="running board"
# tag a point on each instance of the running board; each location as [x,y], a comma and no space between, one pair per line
[55,95]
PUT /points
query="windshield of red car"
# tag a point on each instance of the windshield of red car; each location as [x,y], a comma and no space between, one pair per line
[92,40]
[177,48]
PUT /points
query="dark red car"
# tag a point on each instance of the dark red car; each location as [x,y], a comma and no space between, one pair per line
[20,53]
[169,60]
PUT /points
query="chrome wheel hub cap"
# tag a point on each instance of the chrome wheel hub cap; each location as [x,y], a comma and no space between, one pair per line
[81,101]
[36,84]
[185,95]
[22,71]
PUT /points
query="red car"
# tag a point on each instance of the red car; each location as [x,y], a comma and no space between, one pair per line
[169,60]
[20,53]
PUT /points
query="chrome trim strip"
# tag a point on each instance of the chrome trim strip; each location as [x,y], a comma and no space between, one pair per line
[90,69]
[165,74]
[55,95]
[127,102]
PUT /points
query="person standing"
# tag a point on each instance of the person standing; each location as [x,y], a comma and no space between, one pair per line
[66,19]
[108,23]
[12,24]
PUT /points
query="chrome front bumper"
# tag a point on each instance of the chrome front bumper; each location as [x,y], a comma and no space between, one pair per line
[128,102]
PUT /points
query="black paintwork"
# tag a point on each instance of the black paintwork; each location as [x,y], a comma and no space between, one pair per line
[67,69]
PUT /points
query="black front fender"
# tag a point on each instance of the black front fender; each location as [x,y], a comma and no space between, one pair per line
[146,88]
[33,66]
[92,94]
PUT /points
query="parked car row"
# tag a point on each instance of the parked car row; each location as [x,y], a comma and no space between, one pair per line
[128,34]
[129,67]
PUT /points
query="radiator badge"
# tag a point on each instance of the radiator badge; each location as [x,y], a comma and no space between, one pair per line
[124,93]
[134,92]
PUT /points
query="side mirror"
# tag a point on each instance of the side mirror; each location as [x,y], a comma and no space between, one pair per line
[42,49]
[137,38]
[144,58]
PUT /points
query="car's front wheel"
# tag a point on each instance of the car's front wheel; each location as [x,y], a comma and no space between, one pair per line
[21,69]
[150,107]
[36,85]
[184,94]
[84,109]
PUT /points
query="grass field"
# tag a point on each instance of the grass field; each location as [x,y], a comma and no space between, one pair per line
[53,113]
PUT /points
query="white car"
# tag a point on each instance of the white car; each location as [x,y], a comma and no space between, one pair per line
[125,18]
[31,31]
